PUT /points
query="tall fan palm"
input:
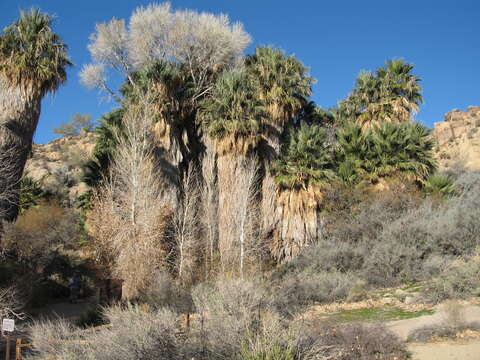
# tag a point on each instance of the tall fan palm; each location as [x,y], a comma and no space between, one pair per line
[233,113]
[283,86]
[33,62]
[392,93]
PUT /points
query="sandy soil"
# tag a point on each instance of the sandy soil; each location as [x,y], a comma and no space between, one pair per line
[448,350]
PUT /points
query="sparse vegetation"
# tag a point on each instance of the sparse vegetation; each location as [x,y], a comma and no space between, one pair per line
[220,194]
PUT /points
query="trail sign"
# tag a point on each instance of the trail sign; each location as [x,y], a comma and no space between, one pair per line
[8,325]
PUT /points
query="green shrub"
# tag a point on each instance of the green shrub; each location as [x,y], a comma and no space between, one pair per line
[439,185]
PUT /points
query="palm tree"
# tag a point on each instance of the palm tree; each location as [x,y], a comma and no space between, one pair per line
[404,149]
[305,166]
[352,149]
[384,151]
[283,86]
[392,93]
[233,114]
[439,185]
[33,62]
[308,159]
[106,142]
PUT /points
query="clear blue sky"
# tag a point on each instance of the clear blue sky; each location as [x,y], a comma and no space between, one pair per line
[335,38]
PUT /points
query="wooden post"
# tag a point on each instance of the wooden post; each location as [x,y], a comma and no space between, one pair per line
[7,348]
[18,349]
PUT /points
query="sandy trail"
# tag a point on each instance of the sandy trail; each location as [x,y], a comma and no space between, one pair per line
[447,350]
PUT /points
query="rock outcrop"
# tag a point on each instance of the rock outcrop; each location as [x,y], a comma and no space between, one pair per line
[458,139]
[58,165]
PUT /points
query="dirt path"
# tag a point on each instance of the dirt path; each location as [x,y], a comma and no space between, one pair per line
[446,351]
[439,351]
[403,327]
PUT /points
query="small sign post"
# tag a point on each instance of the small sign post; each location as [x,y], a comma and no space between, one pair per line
[8,326]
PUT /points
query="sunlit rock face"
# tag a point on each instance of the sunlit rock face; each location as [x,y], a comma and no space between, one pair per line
[58,165]
[458,139]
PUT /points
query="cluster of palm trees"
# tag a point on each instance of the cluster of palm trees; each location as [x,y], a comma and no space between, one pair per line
[373,136]
[260,108]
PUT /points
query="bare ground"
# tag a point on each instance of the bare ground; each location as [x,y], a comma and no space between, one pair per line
[447,350]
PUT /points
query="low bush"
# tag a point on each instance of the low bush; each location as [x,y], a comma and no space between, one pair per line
[165,292]
[357,341]
[429,333]
[459,280]
[299,290]
[92,316]
[397,238]
[134,333]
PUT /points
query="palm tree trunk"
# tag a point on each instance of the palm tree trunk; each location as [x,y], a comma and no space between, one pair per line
[301,225]
[19,113]
[227,231]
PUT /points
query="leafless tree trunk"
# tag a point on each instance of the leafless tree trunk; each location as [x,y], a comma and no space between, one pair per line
[210,206]
[237,211]
[187,227]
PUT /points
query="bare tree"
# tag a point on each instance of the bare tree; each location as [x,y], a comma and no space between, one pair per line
[238,212]
[129,222]
[202,42]
[11,304]
[187,227]
[210,207]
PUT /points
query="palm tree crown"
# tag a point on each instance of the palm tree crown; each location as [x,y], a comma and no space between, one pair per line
[386,150]
[282,82]
[392,93]
[32,54]
[307,158]
[233,112]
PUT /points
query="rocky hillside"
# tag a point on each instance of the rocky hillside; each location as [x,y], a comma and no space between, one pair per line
[58,164]
[458,139]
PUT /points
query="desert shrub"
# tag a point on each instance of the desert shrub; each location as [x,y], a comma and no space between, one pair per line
[164,292]
[274,352]
[92,316]
[357,341]
[459,280]
[396,237]
[230,308]
[326,255]
[427,333]
[373,210]
[40,243]
[276,339]
[298,290]
[454,321]
[370,342]
[133,333]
